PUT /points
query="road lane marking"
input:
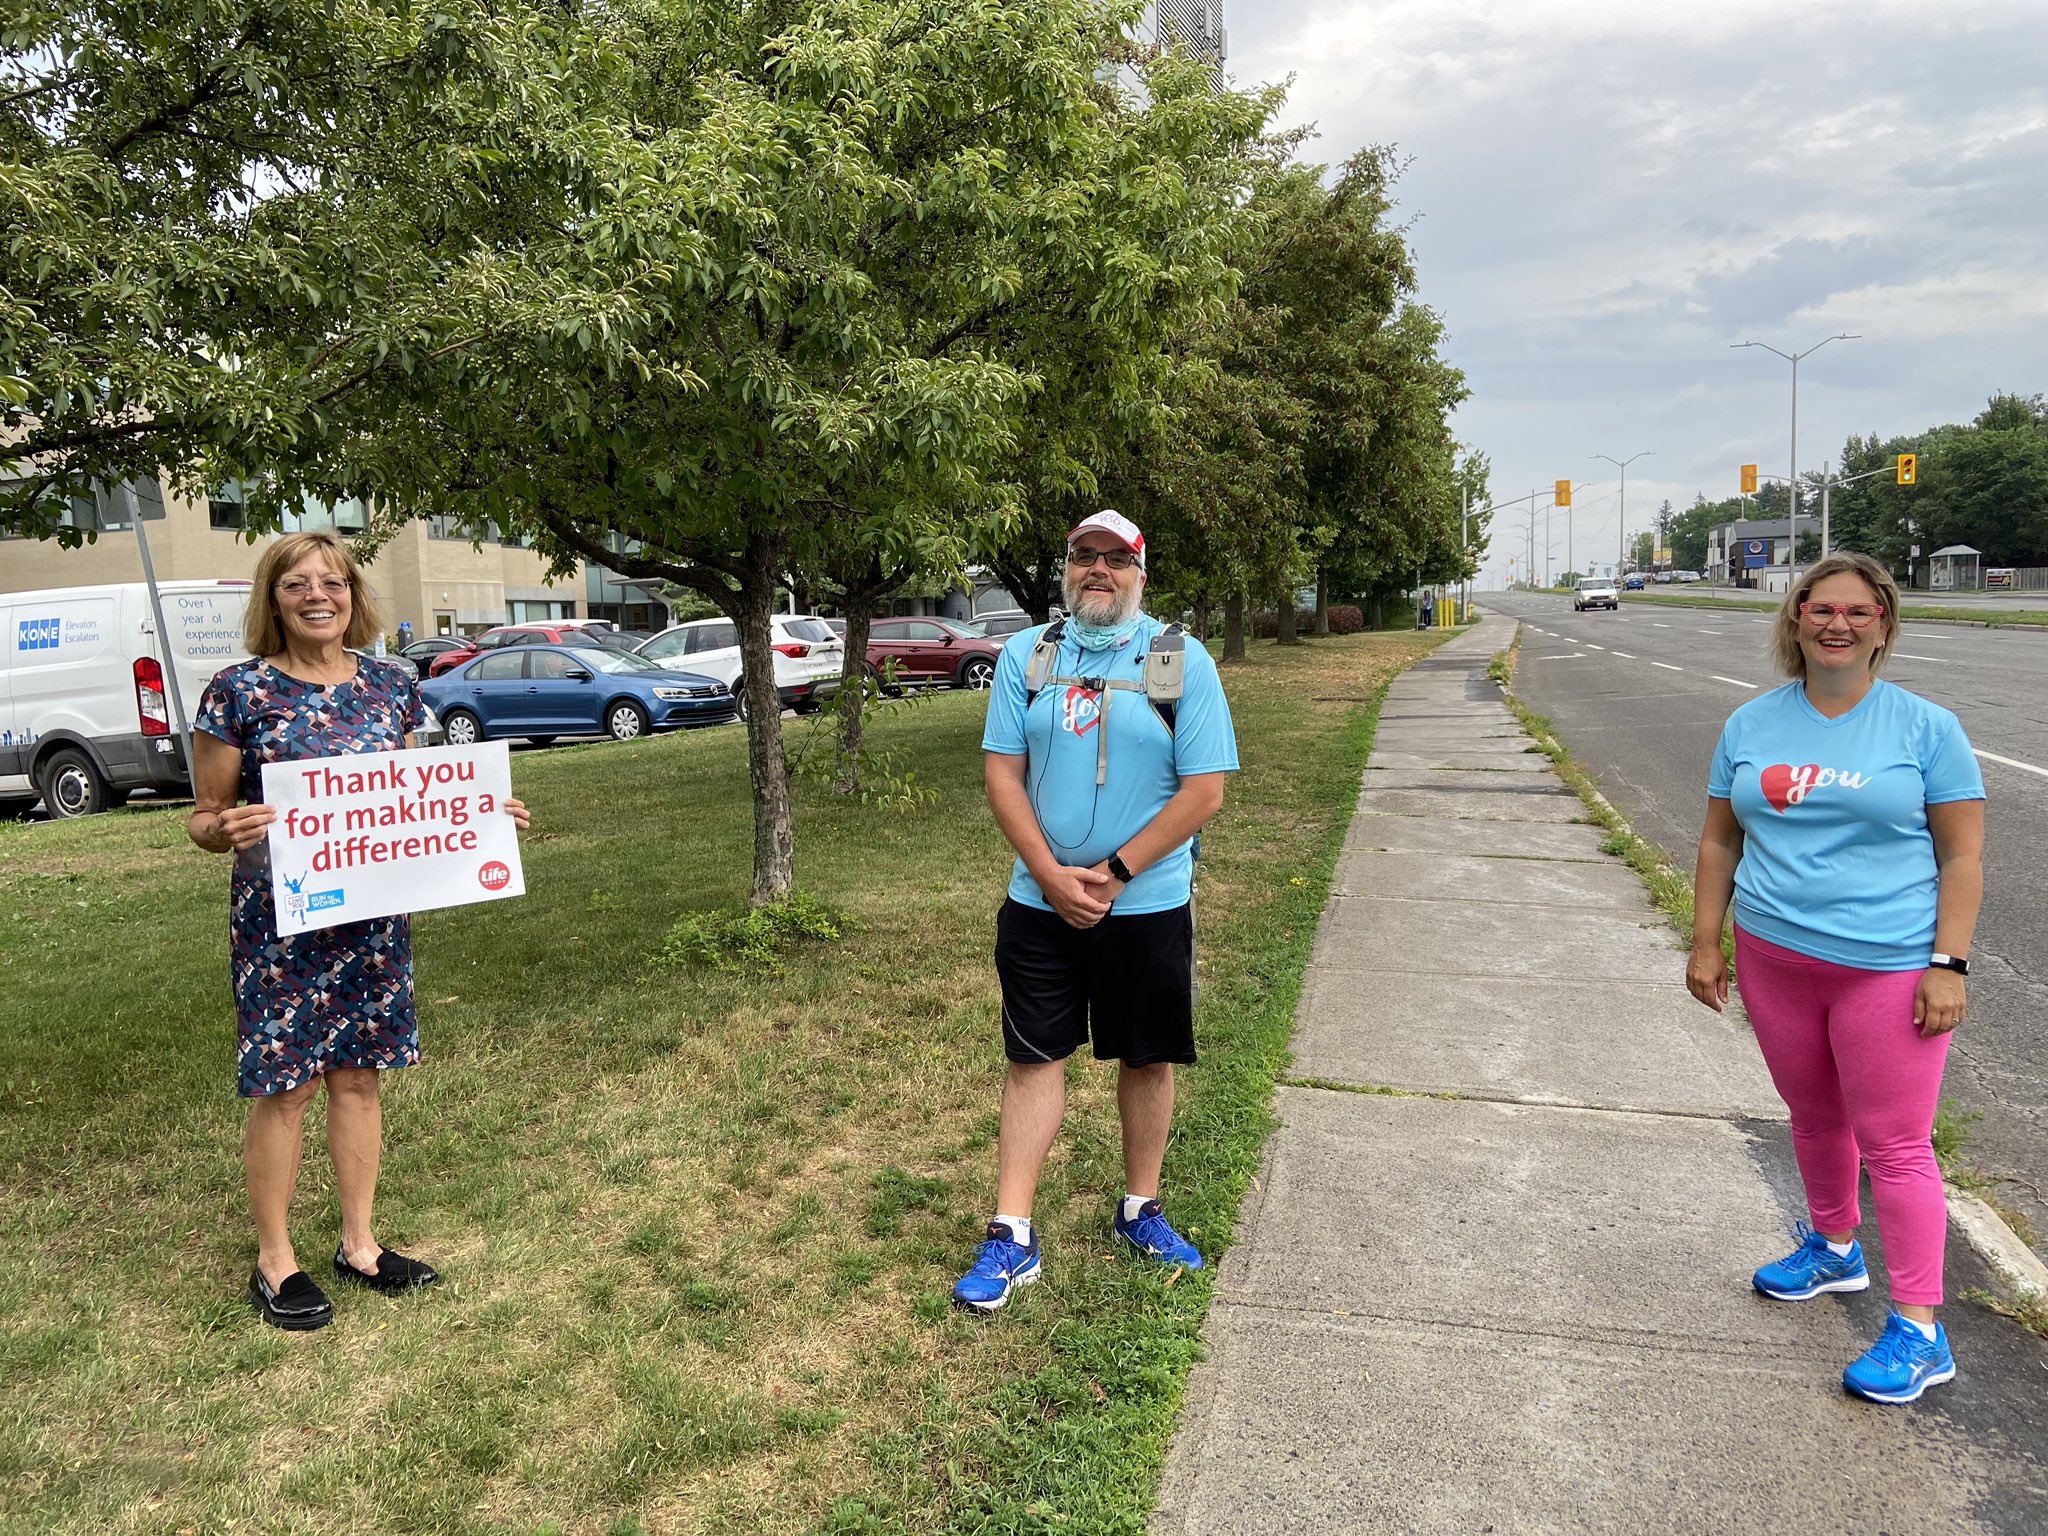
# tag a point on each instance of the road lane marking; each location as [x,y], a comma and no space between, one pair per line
[1564,656]
[1921,634]
[1738,682]
[2010,762]
[1713,631]
[1667,666]
[1655,625]
[1592,647]
[1909,656]
[1624,655]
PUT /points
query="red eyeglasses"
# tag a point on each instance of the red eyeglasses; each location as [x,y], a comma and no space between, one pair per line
[1857,615]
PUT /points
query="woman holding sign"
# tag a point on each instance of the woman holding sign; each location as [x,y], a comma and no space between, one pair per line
[331,1005]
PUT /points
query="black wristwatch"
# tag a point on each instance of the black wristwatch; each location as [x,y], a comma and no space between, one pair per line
[1954,963]
[1120,869]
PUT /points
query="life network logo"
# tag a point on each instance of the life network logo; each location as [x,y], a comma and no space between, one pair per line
[39,634]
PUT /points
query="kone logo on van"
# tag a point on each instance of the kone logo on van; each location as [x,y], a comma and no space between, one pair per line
[39,634]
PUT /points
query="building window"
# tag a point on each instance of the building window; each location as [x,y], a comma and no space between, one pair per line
[538,613]
[442,526]
[227,507]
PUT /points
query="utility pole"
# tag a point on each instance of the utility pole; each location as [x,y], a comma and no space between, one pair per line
[1621,558]
[1792,554]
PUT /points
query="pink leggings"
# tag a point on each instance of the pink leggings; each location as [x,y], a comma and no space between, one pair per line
[1861,1082]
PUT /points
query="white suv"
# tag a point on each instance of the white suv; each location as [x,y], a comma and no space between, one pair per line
[808,656]
[1595,592]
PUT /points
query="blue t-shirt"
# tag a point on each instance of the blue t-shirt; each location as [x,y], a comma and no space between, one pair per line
[1837,861]
[1084,824]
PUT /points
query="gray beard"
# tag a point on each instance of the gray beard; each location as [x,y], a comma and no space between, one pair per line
[1105,610]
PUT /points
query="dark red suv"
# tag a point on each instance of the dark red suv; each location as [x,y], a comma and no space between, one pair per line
[528,634]
[928,651]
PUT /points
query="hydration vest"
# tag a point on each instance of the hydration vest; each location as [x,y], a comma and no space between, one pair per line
[1164,680]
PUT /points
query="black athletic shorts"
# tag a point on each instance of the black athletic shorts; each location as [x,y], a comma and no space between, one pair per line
[1127,984]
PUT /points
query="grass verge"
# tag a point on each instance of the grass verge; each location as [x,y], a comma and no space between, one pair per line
[698,1186]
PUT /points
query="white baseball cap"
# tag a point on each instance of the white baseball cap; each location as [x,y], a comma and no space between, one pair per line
[1117,526]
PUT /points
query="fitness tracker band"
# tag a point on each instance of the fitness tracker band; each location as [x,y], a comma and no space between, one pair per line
[1954,963]
[1122,871]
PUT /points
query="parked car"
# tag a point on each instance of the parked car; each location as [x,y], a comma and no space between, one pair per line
[1003,623]
[1594,592]
[396,659]
[1687,576]
[421,652]
[808,656]
[544,691]
[566,632]
[1633,582]
[1665,578]
[926,650]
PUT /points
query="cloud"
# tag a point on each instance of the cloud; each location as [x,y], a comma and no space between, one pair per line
[1608,194]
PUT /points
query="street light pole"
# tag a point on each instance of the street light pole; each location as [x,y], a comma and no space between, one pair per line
[1621,555]
[1792,550]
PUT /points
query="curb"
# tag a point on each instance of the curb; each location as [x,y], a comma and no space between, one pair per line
[2015,1264]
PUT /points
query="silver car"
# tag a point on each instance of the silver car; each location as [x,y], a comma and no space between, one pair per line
[1595,592]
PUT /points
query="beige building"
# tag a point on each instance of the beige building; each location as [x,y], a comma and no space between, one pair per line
[428,575]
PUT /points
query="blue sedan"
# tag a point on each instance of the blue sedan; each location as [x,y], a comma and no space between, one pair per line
[544,691]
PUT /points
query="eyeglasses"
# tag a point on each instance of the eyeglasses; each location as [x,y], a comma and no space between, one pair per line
[299,586]
[1115,559]
[1858,615]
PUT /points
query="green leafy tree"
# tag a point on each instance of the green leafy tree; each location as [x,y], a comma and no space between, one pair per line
[226,220]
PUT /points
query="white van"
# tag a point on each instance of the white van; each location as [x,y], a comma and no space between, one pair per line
[84,717]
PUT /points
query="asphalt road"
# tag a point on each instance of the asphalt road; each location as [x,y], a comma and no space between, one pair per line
[1639,696]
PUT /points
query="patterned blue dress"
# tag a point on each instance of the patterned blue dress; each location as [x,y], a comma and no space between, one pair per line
[330,997]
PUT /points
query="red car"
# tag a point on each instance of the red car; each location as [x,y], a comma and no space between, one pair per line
[927,651]
[527,634]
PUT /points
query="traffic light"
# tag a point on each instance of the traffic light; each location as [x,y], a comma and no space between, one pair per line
[1749,479]
[1564,494]
[1909,467]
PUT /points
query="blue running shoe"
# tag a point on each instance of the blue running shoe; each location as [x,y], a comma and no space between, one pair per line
[1153,1237]
[1902,1364]
[1810,1269]
[1001,1264]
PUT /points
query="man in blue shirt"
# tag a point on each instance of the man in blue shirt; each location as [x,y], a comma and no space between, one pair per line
[1100,783]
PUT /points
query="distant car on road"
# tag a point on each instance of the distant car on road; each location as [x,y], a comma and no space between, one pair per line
[1633,582]
[1594,592]
[1686,576]
[568,632]
[1665,578]
[544,691]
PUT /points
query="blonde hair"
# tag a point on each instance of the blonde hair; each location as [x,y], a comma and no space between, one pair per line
[262,632]
[1785,632]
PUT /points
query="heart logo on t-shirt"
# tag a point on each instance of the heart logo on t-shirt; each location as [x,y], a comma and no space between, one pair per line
[1776,782]
[1081,711]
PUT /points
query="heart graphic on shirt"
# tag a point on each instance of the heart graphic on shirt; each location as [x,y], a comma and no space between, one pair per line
[1785,785]
[1082,712]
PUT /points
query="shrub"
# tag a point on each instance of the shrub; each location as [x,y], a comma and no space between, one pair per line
[1345,619]
[751,940]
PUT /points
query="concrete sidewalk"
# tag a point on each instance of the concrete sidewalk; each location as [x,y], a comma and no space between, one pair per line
[1513,1294]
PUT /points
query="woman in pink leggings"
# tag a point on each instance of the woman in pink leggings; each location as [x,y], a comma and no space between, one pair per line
[1845,822]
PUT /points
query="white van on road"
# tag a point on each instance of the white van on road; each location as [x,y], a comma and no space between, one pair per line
[84,715]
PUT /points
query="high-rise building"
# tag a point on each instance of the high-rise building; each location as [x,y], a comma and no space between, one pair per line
[1196,25]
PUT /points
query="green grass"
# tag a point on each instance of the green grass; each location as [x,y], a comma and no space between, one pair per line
[699,1185]
[1990,618]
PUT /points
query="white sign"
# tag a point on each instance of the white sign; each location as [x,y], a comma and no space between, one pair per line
[374,833]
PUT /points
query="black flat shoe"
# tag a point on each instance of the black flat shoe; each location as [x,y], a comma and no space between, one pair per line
[298,1304]
[395,1272]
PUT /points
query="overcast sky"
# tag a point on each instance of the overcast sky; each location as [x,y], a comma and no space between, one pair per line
[1609,193]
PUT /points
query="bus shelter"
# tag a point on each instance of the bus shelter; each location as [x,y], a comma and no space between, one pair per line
[1955,568]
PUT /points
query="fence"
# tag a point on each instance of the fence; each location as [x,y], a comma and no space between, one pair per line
[2032,578]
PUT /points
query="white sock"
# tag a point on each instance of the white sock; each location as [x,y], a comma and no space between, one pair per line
[1840,1250]
[1925,1328]
[1020,1227]
[1133,1204]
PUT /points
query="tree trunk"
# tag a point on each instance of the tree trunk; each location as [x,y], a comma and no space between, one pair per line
[767,763]
[1285,630]
[1233,627]
[1034,584]
[853,690]
[1202,618]
[1376,610]
[1322,600]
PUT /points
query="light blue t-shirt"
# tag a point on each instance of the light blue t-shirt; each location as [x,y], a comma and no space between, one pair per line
[1084,824]
[1837,861]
